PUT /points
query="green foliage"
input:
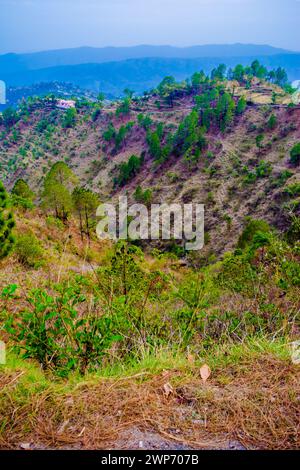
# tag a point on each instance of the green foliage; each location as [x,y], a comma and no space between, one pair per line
[252,228]
[57,190]
[110,133]
[96,113]
[216,108]
[257,70]
[293,232]
[197,79]
[283,177]
[241,105]
[42,125]
[118,137]
[144,121]
[259,140]
[22,195]
[85,203]
[69,118]
[219,72]
[272,122]
[166,89]
[28,250]
[121,134]
[244,74]
[279,77]
[22,203]
[263,169]
[128,170]
[225,111]
[295,154]
[238,73]
[124,107]
[155,148]
[143,196]
[189,139]
[293,190]
[22,190]
[54,222]
[10,117]
[63,333]
[7,224]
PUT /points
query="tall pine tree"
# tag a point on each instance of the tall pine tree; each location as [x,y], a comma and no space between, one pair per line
[7,224]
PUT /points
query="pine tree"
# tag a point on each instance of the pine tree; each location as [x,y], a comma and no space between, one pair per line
[272,122]
[241,106]
[7,224]
[85,203]
[57,190]
[21,189]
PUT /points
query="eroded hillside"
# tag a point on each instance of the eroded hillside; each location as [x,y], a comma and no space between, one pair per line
[242,169]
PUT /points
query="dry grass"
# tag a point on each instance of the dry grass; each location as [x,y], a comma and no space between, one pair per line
[255,401]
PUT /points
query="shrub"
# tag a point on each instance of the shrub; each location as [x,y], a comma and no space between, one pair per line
[21,202]
[10,117]
[293,190]
[22,189]
[69,118]
[143,196]
[272,122]
[263,169]
[253,227]
[295,154]
[283,177]
[28,250]
[124,107]
[54,222]
[62,332]
[259,141]
[7,224]
[128,170]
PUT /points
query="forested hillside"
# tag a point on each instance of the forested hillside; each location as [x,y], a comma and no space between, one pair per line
[110,344]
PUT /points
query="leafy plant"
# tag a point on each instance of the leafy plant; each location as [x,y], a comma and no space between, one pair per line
[7,224]
[28,250]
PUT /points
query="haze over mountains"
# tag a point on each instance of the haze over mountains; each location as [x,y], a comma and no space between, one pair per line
[111,69]
[84,55]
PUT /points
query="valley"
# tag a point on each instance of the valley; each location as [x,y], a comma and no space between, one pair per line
[141,344]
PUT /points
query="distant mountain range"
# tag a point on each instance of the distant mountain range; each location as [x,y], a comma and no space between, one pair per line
[86,55]
[111,69]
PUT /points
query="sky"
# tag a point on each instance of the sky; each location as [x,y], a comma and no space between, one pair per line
[34,25]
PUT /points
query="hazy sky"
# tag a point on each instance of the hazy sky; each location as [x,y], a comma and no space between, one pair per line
[31,25]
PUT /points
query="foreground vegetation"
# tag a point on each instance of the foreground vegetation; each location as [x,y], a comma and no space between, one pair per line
[130,338]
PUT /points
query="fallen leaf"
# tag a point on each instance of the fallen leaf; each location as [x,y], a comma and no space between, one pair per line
[205,372]
[168,389]
[25,445]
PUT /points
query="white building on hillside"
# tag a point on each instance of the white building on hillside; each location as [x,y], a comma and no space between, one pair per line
[65,104]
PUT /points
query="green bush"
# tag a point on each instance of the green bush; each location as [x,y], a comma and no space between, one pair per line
[293,190]
[62,332]
[263,169]
[272,122]
[28,250]
[21,202]
[127,170]
[253,227]
[295,154]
